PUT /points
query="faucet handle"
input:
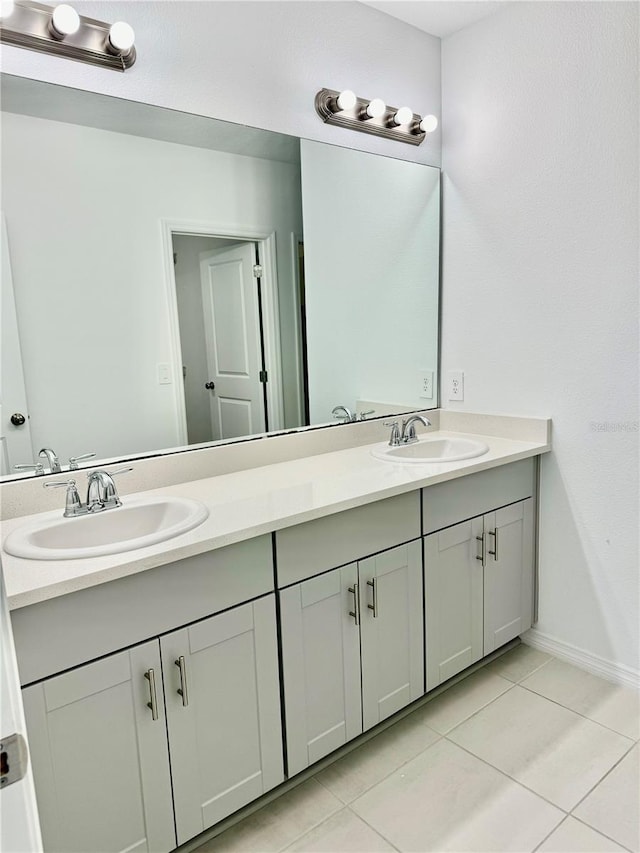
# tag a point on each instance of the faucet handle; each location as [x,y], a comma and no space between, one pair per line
[37,468]
[366,414]
[73,460]
[73,504]
[120,471]
[394,438]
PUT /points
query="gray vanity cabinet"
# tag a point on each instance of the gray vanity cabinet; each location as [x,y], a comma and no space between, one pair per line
[222,699]
[352,650]
[99,758]
[479,571]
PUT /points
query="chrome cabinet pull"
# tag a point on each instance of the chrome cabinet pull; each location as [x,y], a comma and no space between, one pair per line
[356,605]
[153,704]
[481,557]
[182,690]
[494,553]
[374,586]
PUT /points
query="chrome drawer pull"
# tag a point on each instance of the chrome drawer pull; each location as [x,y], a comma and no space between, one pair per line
[374,606]
[153,704]
[356,611]
[494,553]
[182,690]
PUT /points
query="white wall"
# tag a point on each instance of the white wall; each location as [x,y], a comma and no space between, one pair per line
[261,63]
[87,257]
[540,293]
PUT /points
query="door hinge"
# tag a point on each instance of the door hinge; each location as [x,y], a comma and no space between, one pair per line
[257,270]
[263,376]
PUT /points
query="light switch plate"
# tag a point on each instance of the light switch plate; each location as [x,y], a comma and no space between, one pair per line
[164,374]
[455,385]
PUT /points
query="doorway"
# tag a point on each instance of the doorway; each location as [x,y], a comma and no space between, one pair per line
[226,339]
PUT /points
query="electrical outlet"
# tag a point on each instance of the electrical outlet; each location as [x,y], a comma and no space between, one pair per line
[456,384]
[425,387]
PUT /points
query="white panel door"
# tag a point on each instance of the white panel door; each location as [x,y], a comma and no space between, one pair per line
[15,440]
[508,574]
[392,639]
[321,665]
[100,760]
[223,713]
[232,330]
[454,597]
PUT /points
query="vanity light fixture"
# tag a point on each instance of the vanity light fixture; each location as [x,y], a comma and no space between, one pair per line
[373,116]
[61,31]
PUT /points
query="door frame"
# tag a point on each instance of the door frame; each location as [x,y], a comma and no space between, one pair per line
[266,241]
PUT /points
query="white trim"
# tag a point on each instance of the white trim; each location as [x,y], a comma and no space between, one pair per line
[294,240]
[267,250]
[616,672]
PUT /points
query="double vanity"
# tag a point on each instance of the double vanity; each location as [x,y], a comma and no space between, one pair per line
[169,683]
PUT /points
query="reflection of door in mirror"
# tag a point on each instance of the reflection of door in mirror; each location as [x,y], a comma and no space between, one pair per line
[15,434]
[220,321]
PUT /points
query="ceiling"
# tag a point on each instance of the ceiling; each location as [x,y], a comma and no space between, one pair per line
[438,17]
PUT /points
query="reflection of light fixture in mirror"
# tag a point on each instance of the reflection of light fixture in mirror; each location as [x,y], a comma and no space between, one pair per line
[61,31]
[373,116]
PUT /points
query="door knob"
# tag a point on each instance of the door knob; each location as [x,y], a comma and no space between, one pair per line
[210,385]
[18,419]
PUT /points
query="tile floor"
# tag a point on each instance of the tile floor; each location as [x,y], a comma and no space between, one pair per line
[527,754]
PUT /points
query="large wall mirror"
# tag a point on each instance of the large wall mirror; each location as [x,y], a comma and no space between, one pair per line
[170,280]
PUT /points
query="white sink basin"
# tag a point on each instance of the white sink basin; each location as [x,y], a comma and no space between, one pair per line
[432,450]
[135,524]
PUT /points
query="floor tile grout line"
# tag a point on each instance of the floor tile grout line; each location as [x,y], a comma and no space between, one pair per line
[373,829]
[584,716]
[602,778]
[555,828]
[310,829]
[439,737]
[476,712]
[604,834]
[533,671]
[510,778]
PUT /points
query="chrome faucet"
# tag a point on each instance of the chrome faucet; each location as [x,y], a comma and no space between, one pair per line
[342,413]
[408,434]
[52,459]
[101,493]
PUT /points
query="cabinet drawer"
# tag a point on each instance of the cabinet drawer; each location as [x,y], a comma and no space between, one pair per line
[72,629]
[316,546]
[448,503]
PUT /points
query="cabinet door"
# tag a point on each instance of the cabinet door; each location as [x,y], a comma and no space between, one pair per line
[222,693]
[392,640]
[100,760]
[508,574]
[321,665]
[453,590]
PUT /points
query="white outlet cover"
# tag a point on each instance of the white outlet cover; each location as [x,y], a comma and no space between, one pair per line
[455,385]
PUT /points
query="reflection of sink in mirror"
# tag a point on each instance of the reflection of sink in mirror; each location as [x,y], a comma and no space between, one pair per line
[432,450]
[136,524]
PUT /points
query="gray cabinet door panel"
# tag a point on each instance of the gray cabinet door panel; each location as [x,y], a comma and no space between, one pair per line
[508,574]
[392,641]
[100,761]
[321,666]
[226,743]
[454,598]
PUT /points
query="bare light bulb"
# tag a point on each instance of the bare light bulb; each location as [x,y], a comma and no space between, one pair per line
[429,124]
[65,21]
[121,37]
[346,100]
[403,116]
[376,108]
[6,8]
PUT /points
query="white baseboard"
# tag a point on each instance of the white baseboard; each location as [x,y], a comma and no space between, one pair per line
[616,672]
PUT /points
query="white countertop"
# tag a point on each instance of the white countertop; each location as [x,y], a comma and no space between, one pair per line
[250,503]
